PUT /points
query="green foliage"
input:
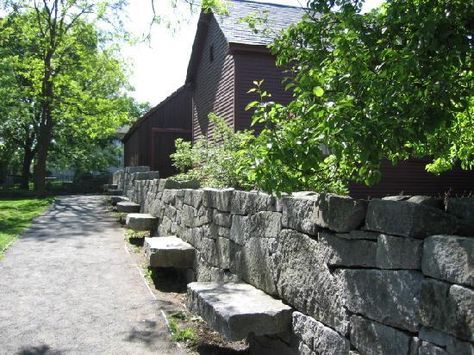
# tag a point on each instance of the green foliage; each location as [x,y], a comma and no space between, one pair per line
[218,7]
[63,81]
[16,215]
[181,334]
[393,83]
[217,161]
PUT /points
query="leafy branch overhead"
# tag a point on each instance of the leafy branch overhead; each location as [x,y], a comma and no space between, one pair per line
[393,83]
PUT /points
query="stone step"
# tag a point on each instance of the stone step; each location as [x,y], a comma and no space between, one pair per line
[141,221]
[169,252]
[114,192]
[238,309]
[128,207]
[116,199]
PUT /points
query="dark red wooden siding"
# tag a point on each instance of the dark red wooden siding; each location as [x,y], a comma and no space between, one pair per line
[150,140]
[410,178]
[213,84]
[250,67]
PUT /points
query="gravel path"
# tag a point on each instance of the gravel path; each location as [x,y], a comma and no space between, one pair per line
[68,286]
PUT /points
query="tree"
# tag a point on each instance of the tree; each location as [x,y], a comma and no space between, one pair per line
[72,80]
[393,83]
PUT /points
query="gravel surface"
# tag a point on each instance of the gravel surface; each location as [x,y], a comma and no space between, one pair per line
[69,286]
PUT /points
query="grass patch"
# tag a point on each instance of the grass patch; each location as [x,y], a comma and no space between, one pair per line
[179,333]
[16,215]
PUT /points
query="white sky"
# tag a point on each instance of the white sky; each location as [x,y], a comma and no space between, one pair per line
[159,66]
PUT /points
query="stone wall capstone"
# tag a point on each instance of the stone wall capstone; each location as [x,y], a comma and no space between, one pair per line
[386,276]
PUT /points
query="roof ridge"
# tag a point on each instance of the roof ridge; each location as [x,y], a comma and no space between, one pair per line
[268,3]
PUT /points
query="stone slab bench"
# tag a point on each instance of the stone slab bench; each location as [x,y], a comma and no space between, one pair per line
[238,309]
[141,221]
[108,187]
[128,207]
[114,192]
[169,252]
[116,199]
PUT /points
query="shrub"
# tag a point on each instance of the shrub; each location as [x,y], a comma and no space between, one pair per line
[221,160]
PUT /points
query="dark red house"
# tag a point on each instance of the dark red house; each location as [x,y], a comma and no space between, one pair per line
[227,57]
[150,140]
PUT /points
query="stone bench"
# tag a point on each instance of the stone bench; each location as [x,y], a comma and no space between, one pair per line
[114,192]
[141,221]
[238,309]
[169,252]
[116,199]
[128,207]
[108,187]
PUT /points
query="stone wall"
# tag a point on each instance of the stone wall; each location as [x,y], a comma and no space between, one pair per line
[392,276]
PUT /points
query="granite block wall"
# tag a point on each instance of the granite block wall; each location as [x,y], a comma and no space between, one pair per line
[385,276]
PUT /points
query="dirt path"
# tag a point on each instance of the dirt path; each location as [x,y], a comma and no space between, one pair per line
[69,286]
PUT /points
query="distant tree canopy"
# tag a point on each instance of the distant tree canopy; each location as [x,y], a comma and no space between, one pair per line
[393,83]
[62,83]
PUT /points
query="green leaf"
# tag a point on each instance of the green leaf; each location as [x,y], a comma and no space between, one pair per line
[318,91]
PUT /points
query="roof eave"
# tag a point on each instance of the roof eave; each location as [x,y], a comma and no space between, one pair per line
[235,47]
[201,33]
[143,118]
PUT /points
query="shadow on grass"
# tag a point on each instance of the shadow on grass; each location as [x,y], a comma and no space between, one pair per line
[16,215]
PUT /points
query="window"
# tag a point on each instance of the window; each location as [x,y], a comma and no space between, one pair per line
[211,54]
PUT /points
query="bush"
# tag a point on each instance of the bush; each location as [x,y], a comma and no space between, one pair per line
[222,160]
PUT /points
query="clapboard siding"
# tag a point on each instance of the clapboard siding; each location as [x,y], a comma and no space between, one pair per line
[172,118]
[213,85]
[410,178]
[250,67]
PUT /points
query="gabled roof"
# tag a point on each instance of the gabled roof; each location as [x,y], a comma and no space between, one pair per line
[277,18]
[150,112]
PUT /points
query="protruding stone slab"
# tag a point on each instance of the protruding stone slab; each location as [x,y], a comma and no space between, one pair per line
[136,169]
[146,175]
[141,221]
[116,199]
[169,252]
[108,187]
[238,309]
[128,207]
[114,192]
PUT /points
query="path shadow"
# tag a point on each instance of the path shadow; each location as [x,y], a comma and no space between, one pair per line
[38,350]
[70,217]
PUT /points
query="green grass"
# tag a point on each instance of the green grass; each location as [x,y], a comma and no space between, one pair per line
[179,333]
[16,215]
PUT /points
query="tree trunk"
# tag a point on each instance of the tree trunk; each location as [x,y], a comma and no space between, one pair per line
[44,140]
[45,128]
[25,172]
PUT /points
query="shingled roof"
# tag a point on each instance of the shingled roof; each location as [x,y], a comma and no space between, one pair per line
[277,17]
